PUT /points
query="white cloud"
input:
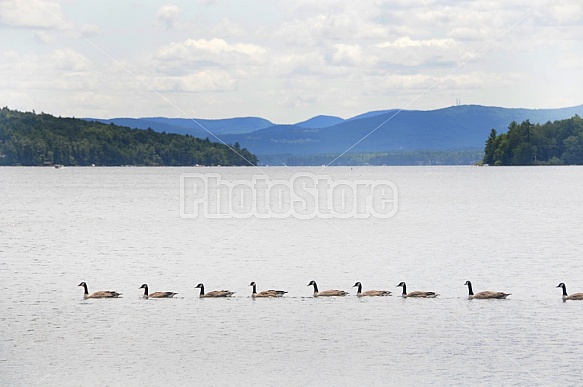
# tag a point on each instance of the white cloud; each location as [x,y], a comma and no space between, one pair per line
[406,42]
[180,58]
[203,81]
[168,15]
[59,70]
[563,12]
[313,64]
[89,30]
[69,60]
[468,33]
[293,58]
[44,36]
[346,54]
[429,52]
[41,14]
[219,46]
[332,26]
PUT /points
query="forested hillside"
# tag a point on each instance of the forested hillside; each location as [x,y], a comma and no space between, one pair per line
[553,143]
[27,138]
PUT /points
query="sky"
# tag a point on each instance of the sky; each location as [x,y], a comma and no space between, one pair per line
[286,61]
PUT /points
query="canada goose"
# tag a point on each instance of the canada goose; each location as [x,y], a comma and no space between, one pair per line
[101,294]
[485,294]
[416,294]
[156,294]
[574,296]
[266,293]
[371,293]
[326,293]
[214,293]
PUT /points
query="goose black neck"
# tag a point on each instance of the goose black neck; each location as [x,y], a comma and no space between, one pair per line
[254,288]
[404,290]
[315,287]
[470,288]
[564,290]
[85,287]
[359,288]
[202,290]
[146,290]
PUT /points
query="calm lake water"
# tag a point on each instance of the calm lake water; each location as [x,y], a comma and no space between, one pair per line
[516,230]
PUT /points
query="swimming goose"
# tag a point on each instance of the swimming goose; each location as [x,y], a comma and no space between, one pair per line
[371,293]
[416,294]
[214,293]
[101,294]
[156,294]
[574,296]
[485,294]
[266,293]
[326,293]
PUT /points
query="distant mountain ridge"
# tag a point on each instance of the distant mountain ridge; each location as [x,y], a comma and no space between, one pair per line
[372,114]
[194,127]
[457,127]
[320,122]
[451,128]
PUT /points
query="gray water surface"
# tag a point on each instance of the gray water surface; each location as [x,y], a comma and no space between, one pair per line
[516,230]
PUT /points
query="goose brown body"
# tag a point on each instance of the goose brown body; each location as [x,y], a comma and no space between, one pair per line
[574,296]
[417,293]
[486,294]
[214,293]
[156,294]
[266,293]
[371,293]
[326,293]
[99,294]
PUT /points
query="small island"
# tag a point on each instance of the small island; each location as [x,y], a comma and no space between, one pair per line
[31,139]
[553,143]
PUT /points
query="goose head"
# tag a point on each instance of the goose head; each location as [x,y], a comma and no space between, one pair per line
[252,283]
[561,285]
[312,282]
[468,283]
[401,284]
[82,284]
[356,284]
[144,286]
[200,286]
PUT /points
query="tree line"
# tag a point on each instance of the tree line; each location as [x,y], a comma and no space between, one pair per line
[402,157]
[27,138]
[552,143]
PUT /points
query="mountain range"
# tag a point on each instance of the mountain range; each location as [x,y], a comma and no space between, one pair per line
[448,129]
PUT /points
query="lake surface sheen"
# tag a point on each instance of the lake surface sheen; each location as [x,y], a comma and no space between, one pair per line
[516,230]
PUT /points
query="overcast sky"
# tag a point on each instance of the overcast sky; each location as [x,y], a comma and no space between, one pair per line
[286,60]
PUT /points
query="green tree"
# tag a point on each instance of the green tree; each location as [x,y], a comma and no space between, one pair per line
[31,139]
[554,143]
[490,147]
